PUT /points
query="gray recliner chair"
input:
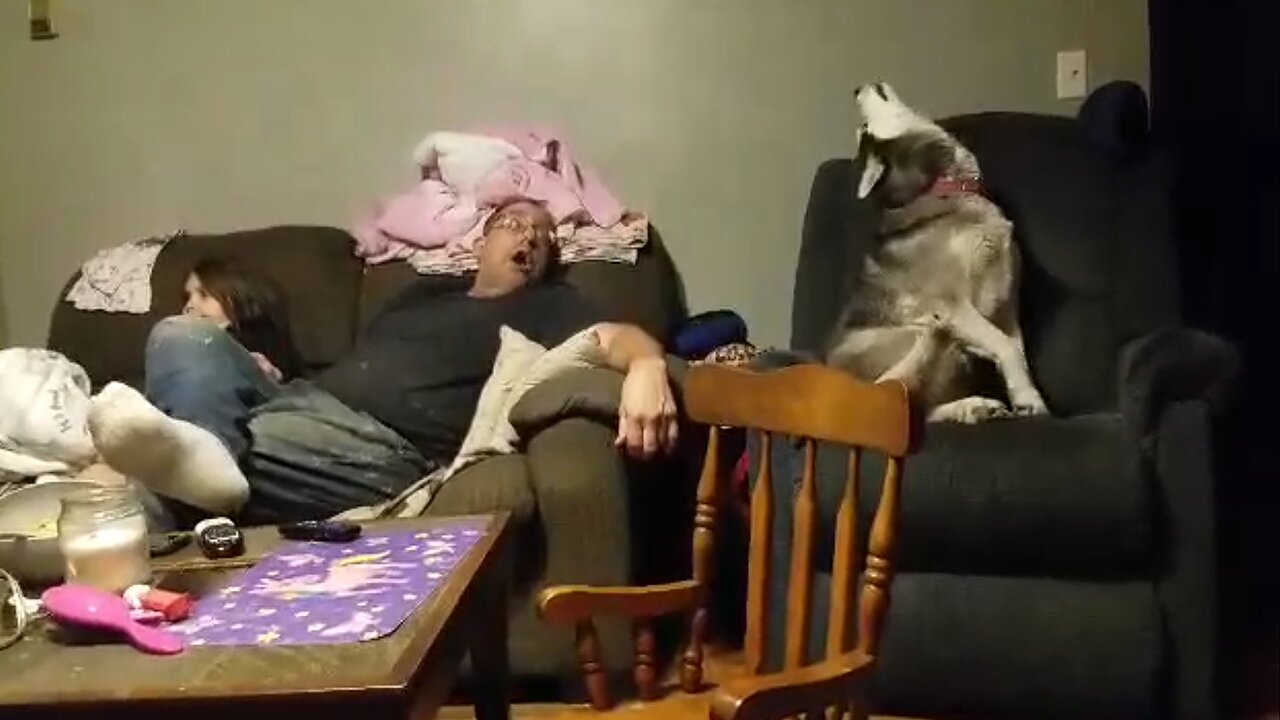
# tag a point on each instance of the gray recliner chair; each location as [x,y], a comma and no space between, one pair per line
[1058,567]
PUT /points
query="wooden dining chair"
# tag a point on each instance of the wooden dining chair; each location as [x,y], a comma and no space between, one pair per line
[814,404]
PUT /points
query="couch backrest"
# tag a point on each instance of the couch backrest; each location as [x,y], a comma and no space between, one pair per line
[1099,264]
[313,266]
[331,294]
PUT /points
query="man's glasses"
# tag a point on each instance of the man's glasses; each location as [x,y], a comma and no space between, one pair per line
[520,225]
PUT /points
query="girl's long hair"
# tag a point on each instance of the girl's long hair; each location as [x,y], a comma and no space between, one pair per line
[256,308]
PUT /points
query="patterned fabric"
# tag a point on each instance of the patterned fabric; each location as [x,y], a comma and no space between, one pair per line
[734,354]
[118,279]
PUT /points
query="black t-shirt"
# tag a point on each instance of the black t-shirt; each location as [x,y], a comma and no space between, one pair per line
[420,365]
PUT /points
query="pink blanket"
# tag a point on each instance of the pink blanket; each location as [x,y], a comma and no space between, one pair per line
[465,175]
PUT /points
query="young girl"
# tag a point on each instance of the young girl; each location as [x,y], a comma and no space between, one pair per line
[249,308]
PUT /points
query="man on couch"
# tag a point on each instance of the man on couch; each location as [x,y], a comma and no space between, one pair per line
[220,437]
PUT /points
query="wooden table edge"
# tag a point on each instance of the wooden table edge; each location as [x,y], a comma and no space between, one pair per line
[394,685]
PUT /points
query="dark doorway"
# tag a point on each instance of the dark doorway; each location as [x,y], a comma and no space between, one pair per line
[1215,74]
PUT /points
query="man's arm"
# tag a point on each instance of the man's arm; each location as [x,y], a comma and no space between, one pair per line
[647,420]
[625,344]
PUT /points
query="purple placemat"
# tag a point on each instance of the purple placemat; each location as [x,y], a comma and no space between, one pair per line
[311,593]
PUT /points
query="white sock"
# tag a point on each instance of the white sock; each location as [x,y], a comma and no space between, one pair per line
[171,457]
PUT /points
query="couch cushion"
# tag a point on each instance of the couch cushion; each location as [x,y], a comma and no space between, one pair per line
[313,266]
[648,294]
[1098,257]
[1007,648]
[1041,496]
[380,283]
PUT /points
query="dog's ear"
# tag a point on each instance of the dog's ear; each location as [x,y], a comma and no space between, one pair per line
[872,165]
[872,171]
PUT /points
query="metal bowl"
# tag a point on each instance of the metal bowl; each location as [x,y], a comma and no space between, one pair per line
[28,531]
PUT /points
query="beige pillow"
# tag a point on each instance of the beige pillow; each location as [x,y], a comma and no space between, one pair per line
[520,365]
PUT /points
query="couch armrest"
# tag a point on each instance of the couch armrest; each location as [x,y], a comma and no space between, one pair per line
[580,392]
[1171,365]
[579,481]
[580,485]
[607,520]
[1187,581]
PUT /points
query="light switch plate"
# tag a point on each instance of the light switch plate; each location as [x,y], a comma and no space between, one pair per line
[1073,74]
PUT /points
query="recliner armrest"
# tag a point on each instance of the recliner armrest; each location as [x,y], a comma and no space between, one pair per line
[1172,365]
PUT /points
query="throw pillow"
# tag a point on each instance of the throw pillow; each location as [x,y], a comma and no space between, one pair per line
[520,365]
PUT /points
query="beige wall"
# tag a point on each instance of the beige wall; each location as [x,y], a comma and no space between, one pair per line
[4,319]
[147,115]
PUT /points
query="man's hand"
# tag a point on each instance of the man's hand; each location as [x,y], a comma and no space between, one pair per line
[647,422]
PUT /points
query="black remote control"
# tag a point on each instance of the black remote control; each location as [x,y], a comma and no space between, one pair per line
[334,531]
[168,543]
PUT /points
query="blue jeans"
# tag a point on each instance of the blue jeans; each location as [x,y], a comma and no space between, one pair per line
[305,453]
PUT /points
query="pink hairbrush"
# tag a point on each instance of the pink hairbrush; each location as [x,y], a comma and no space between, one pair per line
[84,606]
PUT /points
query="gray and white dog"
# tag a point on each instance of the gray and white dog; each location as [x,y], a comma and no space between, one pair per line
[940,286]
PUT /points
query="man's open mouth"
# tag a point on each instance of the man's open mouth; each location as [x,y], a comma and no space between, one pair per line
[523,259]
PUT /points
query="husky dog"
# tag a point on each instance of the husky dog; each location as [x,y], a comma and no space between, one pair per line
[940,286]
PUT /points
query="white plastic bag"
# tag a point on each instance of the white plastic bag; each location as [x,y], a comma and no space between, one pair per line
[44,413]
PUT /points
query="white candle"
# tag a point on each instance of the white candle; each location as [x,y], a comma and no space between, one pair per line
[111,557]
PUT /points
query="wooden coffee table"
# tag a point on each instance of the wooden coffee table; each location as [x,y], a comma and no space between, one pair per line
[406,674]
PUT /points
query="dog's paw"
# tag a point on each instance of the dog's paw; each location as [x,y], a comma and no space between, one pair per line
[1030,404]
[970,410]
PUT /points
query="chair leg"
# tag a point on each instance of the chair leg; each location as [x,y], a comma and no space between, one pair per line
[646,671]
[691,663]
[588,642]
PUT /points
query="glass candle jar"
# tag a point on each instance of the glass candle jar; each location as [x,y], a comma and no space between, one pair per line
[102,533]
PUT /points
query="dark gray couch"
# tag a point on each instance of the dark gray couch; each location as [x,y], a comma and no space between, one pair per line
[582,513]
[1058,567]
